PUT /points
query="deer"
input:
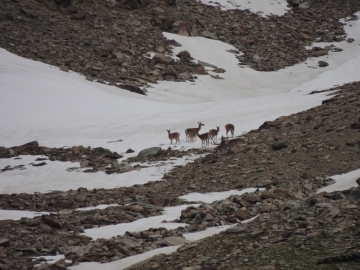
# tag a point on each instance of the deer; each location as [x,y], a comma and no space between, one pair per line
[223,143]
[231,128]
[191,135]
[204,138]
[174,136]
[191,132]
[213,133]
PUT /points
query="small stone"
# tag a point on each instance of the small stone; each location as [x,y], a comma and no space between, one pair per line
[323,64]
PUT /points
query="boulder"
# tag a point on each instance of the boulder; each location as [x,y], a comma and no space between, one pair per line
[150,152]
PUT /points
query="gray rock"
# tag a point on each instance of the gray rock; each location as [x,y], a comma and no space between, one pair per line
[154,237]
[208,217]
[296,204]
[150,152]
[192,187]
[138,265]
[122,249]
[187,247]
[279,145]
[96,68]
[82,250]
[132,243]
[237,229]
[257,58]
[162,58]
[303,6]
[151,206]
[263,183]
[41,266]
[267,267]
[205,64]
[125,167]
[84,163]
[354,193]
[4,241]
[323,64]
[185,76]
[176,241]
[208,34]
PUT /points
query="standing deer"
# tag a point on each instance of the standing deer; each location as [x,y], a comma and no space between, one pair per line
[231,128]
[191,135]
[213,133]
[204,139]
[191,132]
[174,136]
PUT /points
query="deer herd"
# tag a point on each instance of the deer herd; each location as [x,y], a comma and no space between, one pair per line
[192,133]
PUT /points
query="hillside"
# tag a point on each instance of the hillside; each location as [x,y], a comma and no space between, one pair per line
[77,191]
[110,40]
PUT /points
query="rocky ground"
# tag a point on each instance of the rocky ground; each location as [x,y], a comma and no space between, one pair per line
[288,159]
[104,39]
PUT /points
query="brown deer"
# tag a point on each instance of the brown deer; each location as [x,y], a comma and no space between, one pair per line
[191,135]
[174,136]
[213,133]
[231,128]
[204,139]
[191,132]
[223,143]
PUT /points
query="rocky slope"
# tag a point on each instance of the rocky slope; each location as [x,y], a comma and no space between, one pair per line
[104,39]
